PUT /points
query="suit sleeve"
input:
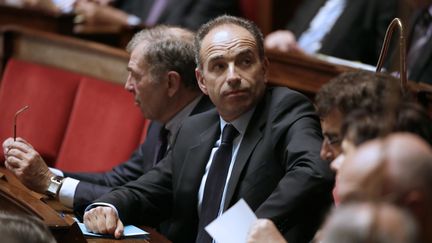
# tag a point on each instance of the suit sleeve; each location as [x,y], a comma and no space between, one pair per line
[150,195]
[204,10]
[303,195]
[93,185]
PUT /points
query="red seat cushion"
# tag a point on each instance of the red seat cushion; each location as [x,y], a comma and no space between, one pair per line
[104,129]
[49,92]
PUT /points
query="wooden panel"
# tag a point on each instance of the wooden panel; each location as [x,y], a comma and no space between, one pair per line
[37,19]
[19,200]
[307,74]
[68,53]
[303,73]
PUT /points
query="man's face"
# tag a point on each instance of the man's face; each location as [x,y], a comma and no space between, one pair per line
[361,176]
[232,73]
[331,125]
[150,94]
[347,147]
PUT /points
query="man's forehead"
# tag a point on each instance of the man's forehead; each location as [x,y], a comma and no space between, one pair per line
[225,33]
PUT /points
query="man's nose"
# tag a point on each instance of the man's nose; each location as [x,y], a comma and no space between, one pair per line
[233,77]
[129,84]
[326,152]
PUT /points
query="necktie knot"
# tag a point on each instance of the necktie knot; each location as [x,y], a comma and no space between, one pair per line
[228,134]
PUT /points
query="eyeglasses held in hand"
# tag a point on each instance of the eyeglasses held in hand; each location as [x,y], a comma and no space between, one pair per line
[15,119]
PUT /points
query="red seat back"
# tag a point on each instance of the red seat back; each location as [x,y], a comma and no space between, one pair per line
[49,92]
[104,129]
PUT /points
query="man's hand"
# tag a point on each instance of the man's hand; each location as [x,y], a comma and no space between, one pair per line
[282,40]
[103,220]
[262,231]
[26,163]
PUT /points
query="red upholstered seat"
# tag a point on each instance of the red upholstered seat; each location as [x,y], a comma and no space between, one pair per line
[49,92]
[104,129]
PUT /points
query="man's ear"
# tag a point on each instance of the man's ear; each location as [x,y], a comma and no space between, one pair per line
[200,79]
[174,83]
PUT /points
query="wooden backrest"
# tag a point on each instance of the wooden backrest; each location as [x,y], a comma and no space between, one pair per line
[83,57]
[37,19]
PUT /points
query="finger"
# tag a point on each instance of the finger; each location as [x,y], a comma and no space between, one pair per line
[119,230]
[90,220]
[111,223]
[12,163]
[22,140]
[101,220]
[7,143]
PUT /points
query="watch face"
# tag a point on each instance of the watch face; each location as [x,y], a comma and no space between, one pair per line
[54,186]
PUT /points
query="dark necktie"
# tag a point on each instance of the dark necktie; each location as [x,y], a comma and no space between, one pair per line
[421,35]
[162,145]
[215,182]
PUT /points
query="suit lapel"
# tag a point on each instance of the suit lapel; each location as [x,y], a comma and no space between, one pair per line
[422,61]
[307,12]
[196,160]
[343,24]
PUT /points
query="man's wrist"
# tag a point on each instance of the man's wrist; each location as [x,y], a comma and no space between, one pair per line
[54,186]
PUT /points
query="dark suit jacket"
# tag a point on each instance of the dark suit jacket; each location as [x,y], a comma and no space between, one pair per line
[359,32]
[190,14]
[93,185]
[277,171]
[422,70]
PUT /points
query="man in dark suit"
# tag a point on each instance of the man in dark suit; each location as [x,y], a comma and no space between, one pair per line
[419,58]
[270,156]
[347,29]
[186,13]
[166,91]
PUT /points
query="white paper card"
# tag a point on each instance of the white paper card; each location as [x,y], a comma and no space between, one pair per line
[233,225]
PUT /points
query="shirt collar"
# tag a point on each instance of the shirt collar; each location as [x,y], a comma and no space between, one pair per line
[173,125]
[240,123]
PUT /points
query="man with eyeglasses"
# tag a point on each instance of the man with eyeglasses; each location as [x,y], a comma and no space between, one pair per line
[344,94]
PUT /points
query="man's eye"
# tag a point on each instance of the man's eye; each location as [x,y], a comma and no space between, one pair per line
[247,61]
[218,66]
[333,139]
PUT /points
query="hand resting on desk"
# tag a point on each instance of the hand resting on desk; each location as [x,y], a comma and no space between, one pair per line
[104,220]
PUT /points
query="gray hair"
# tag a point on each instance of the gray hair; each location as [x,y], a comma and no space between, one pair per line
[168,49]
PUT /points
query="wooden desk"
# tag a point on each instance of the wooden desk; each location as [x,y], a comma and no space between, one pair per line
[17,199]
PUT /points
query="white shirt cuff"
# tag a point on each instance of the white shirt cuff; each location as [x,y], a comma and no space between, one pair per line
[67,191]
[56,172]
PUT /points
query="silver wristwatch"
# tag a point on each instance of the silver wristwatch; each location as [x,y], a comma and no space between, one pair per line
[54,186]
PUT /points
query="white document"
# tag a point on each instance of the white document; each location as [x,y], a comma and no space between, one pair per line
[233,225]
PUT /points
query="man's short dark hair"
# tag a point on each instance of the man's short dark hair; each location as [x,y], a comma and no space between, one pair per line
[223,20]
[353,90]
[168,49]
